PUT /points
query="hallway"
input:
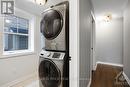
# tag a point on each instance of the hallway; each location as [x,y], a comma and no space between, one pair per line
[104,76]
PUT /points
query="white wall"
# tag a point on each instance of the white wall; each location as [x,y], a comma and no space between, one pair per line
[74,43]
[16,67]
[109,41]
[126,57]
[85,26]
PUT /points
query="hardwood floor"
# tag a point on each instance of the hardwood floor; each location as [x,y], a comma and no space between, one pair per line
[104,76]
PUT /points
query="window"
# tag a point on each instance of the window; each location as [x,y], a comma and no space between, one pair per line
[16,33]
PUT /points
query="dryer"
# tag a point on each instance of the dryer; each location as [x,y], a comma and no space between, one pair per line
[51,69]
[54,27]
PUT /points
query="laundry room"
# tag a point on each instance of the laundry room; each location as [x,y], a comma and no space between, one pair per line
[38,39]
[27,37]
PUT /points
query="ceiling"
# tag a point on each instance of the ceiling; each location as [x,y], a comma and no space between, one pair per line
[114,7]
[32,7]
[101,7]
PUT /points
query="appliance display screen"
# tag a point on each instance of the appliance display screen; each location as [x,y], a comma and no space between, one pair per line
[56,55]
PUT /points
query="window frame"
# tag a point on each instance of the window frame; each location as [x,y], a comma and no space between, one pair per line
[30,34]
[17,33]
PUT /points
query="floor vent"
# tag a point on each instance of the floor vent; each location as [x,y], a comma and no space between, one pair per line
[120,80]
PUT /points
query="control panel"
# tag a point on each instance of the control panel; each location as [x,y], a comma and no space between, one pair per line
[52,55]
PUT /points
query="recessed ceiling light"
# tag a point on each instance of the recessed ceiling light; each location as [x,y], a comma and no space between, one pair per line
[41,2]
[108,17]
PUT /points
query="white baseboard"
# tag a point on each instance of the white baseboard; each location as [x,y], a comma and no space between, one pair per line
[127,79]
[113,64]
[89,84]
[106,63]
[95,67]
[19,80]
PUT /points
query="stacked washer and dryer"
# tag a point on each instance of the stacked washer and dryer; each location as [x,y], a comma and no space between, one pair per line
[54,57]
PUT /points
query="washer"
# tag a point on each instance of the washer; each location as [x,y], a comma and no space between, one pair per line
[51,69]
[53,27]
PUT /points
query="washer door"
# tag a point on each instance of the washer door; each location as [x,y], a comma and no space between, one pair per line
[49,73]
[51,24]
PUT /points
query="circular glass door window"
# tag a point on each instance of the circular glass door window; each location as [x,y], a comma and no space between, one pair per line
[49,74]
[51,24]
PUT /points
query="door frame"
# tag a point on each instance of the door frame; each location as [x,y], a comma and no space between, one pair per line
[93,40]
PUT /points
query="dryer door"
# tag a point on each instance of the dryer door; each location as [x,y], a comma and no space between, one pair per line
[49,73]
[51,24]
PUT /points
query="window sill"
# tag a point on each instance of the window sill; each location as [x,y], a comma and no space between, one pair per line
[11,54]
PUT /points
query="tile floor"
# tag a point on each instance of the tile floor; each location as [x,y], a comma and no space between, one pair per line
[30,82]
[33,84]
